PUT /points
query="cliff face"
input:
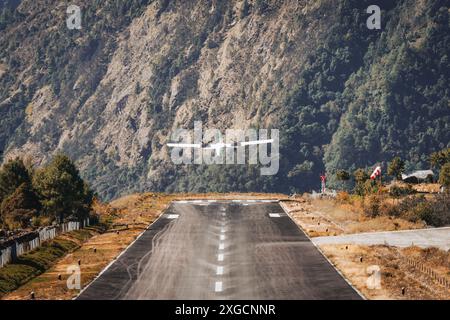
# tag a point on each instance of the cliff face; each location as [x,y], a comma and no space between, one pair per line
[110,94]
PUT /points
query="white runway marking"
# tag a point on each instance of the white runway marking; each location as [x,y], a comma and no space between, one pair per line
[173,216]
[224,214]
[236,200]
[218,286]
[222,230]
[251,200]
[211,200]
[222,237]
[220,257]
[274,215]
[221,246]
[219,271]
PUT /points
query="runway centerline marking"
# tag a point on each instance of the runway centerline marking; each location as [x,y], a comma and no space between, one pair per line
[221,246]
[172,216]
[220,257]
[219,271]
[218,286]
[222,237]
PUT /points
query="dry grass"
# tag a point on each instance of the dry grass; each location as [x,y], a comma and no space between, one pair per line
[396,272]
[129,215]
[324,217]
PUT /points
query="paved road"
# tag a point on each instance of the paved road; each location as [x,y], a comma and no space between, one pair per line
[221,250]
[435,237]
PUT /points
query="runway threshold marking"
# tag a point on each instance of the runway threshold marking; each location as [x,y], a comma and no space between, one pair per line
[274,215]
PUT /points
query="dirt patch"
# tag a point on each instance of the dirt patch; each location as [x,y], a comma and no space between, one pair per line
[407,268]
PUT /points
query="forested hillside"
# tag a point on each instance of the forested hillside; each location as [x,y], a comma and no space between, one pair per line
[110,94]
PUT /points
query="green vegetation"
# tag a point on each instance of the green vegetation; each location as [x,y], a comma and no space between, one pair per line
[55,191]
[13,174]
[361,177]
[401,200]
[396,168]
[440,158]
[62,191]
[444,175]
[20,207]
[434,211]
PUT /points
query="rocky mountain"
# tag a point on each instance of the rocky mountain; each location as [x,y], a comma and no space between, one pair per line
[110,94]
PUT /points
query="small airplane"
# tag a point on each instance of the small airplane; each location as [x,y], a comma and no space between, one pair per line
[220,145]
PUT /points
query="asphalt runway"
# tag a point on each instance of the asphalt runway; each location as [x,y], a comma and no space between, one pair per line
[221,250]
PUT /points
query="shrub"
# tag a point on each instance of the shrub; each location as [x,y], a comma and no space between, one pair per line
[420,212]
[440,210]
[444,175]
[370,187]
[397,191]
[388,209]
[343,197]
[372,206]
[435,212]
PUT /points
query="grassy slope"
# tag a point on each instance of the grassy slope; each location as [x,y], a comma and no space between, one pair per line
[41,259]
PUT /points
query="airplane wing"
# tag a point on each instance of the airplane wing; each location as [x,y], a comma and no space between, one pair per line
[184,145]
[217,146]
[248,143]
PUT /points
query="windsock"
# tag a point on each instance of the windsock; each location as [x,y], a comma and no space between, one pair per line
[375,173]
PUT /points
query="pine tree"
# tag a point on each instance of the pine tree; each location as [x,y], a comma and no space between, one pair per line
[12,175]
[396,168]
[62,191]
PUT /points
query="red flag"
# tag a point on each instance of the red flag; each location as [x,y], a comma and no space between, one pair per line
[375,173]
